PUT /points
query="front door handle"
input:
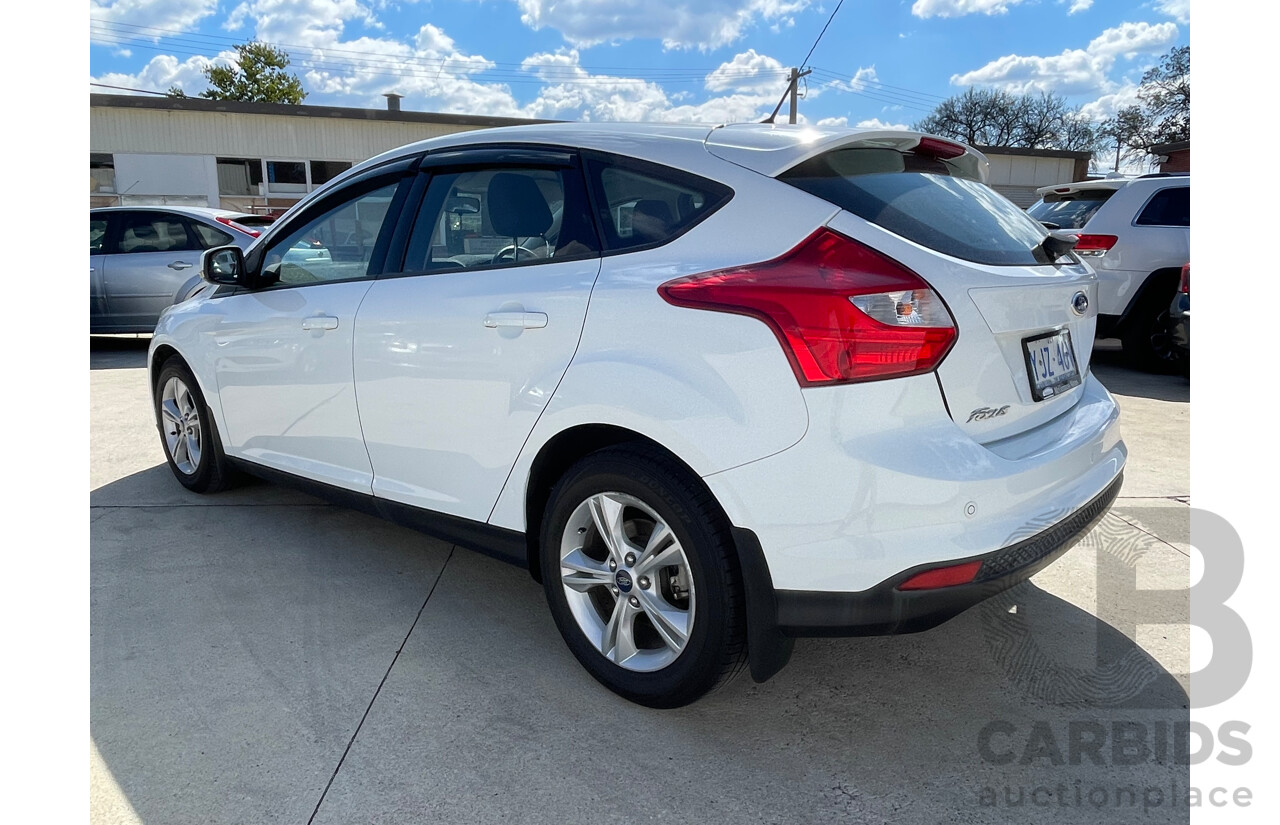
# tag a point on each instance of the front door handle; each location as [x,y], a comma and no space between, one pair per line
[320,322]
[180,265]
[519,320]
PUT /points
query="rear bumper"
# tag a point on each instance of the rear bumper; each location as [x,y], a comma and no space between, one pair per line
[884,609]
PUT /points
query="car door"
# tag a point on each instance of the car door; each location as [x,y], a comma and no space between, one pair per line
[283,350]
[99,222]
[458,353]
[153,255]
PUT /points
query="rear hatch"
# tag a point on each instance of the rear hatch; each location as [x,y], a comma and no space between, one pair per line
[1024,320]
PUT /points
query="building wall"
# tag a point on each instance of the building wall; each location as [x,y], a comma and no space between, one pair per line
[1018,176]
[1179,161]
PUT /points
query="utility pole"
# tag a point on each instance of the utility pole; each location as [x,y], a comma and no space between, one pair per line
[794,90]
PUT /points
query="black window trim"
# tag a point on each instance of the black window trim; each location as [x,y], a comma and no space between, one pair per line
[1157,193]
[450,160]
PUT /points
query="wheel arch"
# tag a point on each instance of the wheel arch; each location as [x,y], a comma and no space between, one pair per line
[1157,281]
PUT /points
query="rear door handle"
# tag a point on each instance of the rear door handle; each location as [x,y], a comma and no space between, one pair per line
[320,322]
[180,265]
[520,320]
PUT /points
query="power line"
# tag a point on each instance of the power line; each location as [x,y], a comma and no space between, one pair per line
[805,62]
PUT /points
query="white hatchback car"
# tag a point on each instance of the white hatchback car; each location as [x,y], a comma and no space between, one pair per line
[1136,233]
[716,388]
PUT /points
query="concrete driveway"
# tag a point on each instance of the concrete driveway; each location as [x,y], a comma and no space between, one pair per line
[260,656]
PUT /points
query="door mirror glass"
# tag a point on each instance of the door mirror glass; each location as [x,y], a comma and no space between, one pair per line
[223,265]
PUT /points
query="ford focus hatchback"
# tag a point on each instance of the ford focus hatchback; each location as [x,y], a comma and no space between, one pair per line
[715,388]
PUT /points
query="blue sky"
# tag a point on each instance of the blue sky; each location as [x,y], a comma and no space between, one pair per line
[880,62]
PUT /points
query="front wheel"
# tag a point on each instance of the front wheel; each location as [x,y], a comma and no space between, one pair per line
[187,431]
[642,578]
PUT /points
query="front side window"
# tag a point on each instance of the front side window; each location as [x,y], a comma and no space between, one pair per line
[643,205]
[500,217]
[155,232]
[337,245]
[924,200]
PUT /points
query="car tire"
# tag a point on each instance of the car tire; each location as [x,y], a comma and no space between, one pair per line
[655,615]
[1147,339]
[188,433]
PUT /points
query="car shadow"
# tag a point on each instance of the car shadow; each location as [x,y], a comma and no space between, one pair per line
[115,352]
[1107,363]
[235,649]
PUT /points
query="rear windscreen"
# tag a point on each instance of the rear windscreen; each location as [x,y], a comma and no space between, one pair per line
[1069,211]
[924,200]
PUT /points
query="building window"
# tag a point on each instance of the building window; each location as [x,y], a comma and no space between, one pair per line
[102,173]
[286,176]
[323,171]
[239,176]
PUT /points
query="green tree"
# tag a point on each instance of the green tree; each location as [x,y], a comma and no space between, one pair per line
[991,117]
[257,75]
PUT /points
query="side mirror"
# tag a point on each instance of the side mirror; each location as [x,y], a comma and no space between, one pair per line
[223,265]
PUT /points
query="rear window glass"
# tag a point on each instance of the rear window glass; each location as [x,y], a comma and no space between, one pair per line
[643,204]
[1069,211]
[1168,207]
[922,200]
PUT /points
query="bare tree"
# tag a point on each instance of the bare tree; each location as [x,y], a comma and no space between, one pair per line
[991,117]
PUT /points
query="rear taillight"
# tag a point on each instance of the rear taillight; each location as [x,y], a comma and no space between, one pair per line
[934,148]
[239,227]
[842,311]
[1095,246]
[1184,282]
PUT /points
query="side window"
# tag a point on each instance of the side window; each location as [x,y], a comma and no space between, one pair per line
[211,236]
[155,232]
[336,245]
[97,234]
[1168,207]
[644,204]
[500,217]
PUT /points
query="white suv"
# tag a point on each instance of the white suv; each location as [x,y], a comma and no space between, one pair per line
[714,387]
[1137,235]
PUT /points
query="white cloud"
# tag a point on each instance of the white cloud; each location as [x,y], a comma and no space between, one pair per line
[833,121]
[316,23]
[1132,39]
[1107,105]
[704,24]
[861,77]
[877,123]
[959,8]
[1179,10]
[1078,6]
[161,73]
[1074,71]
[748,71]
[130,19]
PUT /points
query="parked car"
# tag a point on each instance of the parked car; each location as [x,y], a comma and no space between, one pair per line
[1180,316]
[1136,233]
[146,258]
[715,388]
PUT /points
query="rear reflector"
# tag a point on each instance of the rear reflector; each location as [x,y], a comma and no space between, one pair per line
[942,577]
[1095,245]
[842,311]
[1184,282]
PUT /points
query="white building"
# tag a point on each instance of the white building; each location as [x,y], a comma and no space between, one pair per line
[262,157]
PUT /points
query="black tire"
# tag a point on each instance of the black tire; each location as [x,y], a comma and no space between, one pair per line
[715,648]
[1148,336]
[199,464]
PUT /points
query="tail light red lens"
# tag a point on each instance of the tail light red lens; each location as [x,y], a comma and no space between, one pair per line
[842,311]
[942,577]
[934,148]
[1095,245]
[1184,282]
[237,226]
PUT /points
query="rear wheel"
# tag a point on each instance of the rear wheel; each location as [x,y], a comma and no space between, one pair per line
[1148,336]
[187,431]
[642,578]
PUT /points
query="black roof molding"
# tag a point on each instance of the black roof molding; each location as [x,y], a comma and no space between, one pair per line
[200,104]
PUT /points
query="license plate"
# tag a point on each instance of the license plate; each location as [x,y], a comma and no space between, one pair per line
[1051,364]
